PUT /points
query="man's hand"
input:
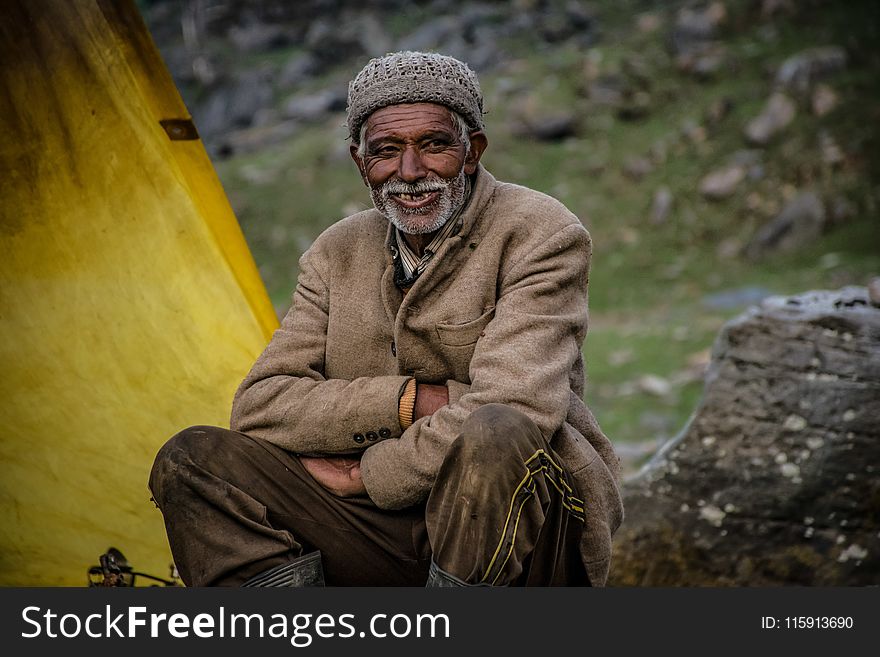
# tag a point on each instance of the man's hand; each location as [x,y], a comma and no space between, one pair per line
[429,399]
[341,475]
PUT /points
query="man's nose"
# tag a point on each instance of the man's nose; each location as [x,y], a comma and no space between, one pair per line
[411,167]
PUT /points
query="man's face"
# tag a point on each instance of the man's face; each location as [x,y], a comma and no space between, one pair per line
[415,165]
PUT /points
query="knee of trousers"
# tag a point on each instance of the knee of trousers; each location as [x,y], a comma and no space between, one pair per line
[495,438]
[194,445]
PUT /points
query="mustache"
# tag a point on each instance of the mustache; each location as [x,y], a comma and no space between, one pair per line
[421,187]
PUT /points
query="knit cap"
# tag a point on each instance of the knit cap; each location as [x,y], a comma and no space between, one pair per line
[414,77]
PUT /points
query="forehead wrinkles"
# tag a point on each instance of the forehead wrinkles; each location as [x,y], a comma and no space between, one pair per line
[409,121]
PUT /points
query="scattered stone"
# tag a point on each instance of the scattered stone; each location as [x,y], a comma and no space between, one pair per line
[704,64]
[697,24]
[722,183]
[799,72]
[652,384]
[831,152]
[853,551]
[552,126]
[234,106]
[310,107]
[431,34]
[661,206]
[621,357]
[824,100]
[249,140]
[741,480]
[728,248]
[297,70]
[648,23]
[693,132]
[777,114]
[255,36]
[636,168]
[800,223]
[718,111]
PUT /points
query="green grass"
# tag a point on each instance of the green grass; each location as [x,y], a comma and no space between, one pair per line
[649,282]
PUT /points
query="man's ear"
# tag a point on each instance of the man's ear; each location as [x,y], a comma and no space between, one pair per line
[353,150]
[479,142]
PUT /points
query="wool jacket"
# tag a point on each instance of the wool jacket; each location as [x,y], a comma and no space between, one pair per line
[499,315]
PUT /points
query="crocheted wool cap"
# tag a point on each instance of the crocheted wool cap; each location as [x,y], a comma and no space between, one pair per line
[414,77]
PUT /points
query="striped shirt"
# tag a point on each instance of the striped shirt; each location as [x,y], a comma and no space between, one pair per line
[411,264]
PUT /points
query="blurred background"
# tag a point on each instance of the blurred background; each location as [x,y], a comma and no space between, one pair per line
[718,152]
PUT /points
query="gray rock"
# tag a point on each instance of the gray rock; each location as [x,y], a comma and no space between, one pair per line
[432,34]
[298,69]
[234,106]
[334,39]
[799,72]
[310,107]
[800,223]
[256,138]
[694,26]
[722,183]
[374,38]
[256,36]
[778,112]
[636,168]
[774,479]
[549,126]
[661,205]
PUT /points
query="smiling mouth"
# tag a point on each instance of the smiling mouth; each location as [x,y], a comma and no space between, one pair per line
[414,201]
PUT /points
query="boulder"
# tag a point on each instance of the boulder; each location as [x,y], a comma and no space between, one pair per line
[800,223]
[774,479]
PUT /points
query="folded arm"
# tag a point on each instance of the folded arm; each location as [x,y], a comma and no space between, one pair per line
[523,359]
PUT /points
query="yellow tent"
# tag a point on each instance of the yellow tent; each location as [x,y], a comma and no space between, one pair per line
[130,306]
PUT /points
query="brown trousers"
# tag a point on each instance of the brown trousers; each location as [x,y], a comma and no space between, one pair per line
[502,511]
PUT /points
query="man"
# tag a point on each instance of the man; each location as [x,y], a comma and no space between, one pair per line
[418,417]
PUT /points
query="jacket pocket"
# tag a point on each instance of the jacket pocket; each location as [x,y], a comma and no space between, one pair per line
[462,335]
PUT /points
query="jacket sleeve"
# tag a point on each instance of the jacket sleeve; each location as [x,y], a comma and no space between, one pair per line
[285,398]
[523,359]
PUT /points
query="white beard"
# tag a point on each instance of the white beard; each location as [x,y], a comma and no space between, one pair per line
[420,221]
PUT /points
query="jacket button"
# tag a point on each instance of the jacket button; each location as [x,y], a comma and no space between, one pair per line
[384,433]
[371,435]
[393,349]
[358,438]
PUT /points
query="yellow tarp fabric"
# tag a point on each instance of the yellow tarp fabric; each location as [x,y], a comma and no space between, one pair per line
[130,306]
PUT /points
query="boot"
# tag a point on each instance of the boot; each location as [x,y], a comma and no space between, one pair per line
[302,571]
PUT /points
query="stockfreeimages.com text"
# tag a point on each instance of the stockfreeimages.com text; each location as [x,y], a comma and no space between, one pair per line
[300,629]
